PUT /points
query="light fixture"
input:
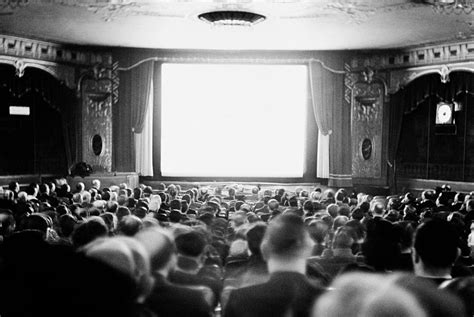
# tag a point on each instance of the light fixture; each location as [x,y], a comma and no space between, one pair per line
[231,18]
[452,6]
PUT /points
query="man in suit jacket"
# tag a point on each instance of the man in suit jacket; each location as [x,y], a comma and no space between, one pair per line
[167,299]
[285,246]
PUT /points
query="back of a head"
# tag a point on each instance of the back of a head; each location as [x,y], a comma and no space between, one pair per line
[155,203]
[44,188]
[67,222]
[159,244]
[122,211]
[137,193]
[357,214]
[286,237]
[273,204]
[175,204]
[36,221]
[96,183]
[332,210]
[318,229]
[80,187]
[239,218]
[77,198]
[340,195]
[378,209]
[368,295]
[191,244]
[14,186]
[470,205]
[436,242]
[129,225]
[7,222]
[344,210]
[126,255]
[293,201]
[88,231]
[255,236]
[140,212]
[340,221]
[343,238]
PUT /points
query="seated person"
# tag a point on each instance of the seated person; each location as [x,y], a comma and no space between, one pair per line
[340,255]
[285,246]
[191,247]
[435,250]
[167,299]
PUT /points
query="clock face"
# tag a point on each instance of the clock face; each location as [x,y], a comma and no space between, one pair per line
[444,113]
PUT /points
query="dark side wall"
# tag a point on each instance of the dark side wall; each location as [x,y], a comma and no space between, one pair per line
[123,142]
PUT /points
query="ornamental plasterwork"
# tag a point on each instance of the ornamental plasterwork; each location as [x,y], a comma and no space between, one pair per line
[63,73]
[352,11]
[401,77]
[456,52]
[45,51]
[365,92]
[97,120]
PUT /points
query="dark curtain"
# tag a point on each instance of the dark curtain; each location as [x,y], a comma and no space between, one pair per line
[410,97]
[141,77]
[54,93]
[396,109]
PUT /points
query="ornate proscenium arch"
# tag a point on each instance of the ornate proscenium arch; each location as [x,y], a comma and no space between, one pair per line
[395,69]
[91,74]
[65,74]
[401,78]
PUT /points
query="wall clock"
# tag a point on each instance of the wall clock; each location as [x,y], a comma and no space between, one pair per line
[444,113]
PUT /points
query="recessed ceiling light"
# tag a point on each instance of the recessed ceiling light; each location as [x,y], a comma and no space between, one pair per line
[232,18]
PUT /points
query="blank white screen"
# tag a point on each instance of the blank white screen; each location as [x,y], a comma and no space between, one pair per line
[233,120]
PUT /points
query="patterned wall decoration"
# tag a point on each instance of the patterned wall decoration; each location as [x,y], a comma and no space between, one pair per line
[368,94]
[96,86]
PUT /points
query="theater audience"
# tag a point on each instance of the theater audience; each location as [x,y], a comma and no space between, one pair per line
[192,251]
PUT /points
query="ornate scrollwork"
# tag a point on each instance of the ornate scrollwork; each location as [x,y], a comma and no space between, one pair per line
[368,75]
[97,72]
[444,73]
[20,68]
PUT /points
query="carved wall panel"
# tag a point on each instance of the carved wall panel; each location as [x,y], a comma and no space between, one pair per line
[367,116]
[97,123]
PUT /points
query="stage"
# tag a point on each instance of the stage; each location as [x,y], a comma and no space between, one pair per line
[106,179]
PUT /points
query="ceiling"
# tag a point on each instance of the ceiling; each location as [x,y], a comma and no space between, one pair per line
[290,24]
